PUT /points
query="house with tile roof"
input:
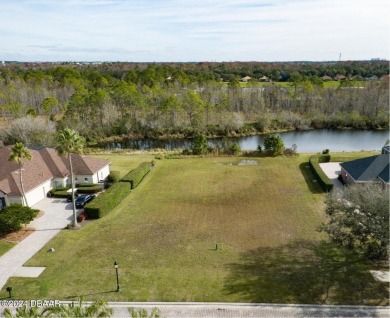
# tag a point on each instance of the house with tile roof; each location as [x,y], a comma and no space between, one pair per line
[46,170]
[367,170]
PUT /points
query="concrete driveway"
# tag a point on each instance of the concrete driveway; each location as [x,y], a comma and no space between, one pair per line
[332,171]
[57,215]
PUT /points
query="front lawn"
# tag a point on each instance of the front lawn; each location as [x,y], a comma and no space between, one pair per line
[263,217]
[5,246]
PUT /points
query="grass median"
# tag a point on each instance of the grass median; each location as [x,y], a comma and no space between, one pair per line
[263,217]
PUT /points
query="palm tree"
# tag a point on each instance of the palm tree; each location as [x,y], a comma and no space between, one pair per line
[143,313]
[18,152]
[25,312]
[96,309]
[70,142]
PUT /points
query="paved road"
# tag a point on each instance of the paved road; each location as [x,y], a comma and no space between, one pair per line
[57,214]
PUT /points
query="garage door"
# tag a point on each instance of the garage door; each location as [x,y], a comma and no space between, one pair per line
[37,194]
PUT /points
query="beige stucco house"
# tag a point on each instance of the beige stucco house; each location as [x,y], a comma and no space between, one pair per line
[46,170]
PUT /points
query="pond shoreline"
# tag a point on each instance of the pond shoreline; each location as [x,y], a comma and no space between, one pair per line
[311,141]
[135,137]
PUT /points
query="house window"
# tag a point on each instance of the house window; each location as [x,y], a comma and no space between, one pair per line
[86,179]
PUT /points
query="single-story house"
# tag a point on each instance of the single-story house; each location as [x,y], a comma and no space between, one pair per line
[46,170]
[326,78]
[339,77]
[367,170]
[246,78]
[264,79]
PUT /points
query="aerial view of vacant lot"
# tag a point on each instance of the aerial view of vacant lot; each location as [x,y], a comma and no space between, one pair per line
[210,229]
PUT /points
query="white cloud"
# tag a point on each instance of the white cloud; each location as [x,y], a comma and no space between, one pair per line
[151,30]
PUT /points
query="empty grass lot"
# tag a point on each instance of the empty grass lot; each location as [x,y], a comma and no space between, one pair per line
[164,234]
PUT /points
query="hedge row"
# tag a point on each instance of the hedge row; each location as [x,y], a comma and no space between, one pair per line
[86,188]
[105,202]
[113,177]
[90,189]
[135,176]
[323,179]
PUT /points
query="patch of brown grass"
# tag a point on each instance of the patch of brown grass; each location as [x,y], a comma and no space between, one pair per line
[18,236]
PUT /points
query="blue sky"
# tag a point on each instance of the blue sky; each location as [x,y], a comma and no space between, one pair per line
[194,30]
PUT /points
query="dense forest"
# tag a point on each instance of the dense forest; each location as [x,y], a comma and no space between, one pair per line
[158,100]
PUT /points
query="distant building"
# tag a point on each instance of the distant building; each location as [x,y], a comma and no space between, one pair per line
[246,78]
[326,78]
[339,77]
[264,79]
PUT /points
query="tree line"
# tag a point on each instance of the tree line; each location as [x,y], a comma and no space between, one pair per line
[181,99]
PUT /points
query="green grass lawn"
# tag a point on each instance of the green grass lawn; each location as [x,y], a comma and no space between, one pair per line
[163,235]
[5,246]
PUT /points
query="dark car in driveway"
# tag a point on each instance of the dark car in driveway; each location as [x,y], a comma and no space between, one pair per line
[84,199]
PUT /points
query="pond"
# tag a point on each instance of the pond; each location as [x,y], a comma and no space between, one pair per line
[306,141]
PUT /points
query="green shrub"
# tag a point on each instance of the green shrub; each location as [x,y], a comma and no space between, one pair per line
[135,176]
[105,202]
[235,148]
[90,189]
[53,191]
[322,178]
[60,194]
[85,185]
[273,145]
[12,217]
[199,145]
[113,177]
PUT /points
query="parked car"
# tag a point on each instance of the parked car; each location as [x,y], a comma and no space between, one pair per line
[84,199]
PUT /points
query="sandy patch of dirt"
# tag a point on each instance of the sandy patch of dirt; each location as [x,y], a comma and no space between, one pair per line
[18,236]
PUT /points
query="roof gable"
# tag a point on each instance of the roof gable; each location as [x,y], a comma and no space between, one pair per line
[35,172]
[368,169]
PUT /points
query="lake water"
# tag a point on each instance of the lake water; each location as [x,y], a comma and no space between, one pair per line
[306,141]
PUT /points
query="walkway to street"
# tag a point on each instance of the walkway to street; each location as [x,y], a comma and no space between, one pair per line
[57,214]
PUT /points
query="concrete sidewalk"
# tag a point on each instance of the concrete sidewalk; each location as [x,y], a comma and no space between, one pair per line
[233,310]
[57,214]
[332,171]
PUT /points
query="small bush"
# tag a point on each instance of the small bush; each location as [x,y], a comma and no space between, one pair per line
[135,176]
[199,146]
[323,179]
[235,148]
[105,202]
[12,217]
[81,217]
